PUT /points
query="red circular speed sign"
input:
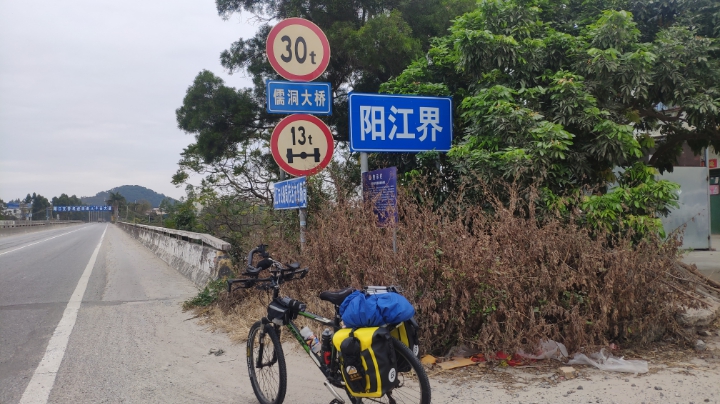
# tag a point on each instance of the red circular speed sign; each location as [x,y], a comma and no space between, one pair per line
[298,49]
[302,144]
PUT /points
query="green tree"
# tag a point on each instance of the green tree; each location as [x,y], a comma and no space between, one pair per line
[3,215]
[370,41]
[142,207]
[167,205]
[185,217]
[228,124]
[116,200]
[39,207]
[558,94]
[516,67]
[65,200]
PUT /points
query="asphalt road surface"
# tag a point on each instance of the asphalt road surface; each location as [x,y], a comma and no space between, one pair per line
[125,338]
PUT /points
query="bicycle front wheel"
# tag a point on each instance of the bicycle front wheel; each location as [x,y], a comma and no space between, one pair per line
[413,386]
[266,364]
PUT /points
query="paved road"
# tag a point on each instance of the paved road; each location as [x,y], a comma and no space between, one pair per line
[38,273]
[130,343]
[707,261]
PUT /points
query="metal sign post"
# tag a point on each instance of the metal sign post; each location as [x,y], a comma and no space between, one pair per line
[301,144]
[302,214]
[363,169]
[292,194]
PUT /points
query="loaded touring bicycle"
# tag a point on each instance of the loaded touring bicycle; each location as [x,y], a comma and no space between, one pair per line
[371,364]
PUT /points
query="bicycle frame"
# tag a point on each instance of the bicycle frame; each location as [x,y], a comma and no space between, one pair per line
[295,332]
[282,312]
[330,371]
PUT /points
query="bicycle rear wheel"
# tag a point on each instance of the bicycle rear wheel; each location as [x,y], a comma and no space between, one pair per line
[266,364]
[413,387]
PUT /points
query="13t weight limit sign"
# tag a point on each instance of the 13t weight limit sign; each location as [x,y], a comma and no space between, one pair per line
[302,144]
[298,49]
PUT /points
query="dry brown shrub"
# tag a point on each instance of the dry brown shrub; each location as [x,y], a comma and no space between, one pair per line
[496,281]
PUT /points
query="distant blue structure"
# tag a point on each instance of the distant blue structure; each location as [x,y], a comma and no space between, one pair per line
[101,208]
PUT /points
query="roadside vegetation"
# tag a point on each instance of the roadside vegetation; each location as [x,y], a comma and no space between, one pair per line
[492,275]
[543,221]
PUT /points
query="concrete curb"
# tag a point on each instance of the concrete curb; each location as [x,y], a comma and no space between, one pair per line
[7,229]
[199,257]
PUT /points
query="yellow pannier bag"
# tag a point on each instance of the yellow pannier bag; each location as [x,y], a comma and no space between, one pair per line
[406,332]
[367,360]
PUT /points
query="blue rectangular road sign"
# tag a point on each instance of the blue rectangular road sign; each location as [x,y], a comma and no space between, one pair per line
[293,97]
[380,188]
[290,194]
[399,123]
[96,208]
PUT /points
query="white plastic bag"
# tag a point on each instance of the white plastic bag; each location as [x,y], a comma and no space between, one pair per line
[548,349]
[605,361]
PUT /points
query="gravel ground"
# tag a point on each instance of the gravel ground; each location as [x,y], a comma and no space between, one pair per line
[692,382]
[675,376]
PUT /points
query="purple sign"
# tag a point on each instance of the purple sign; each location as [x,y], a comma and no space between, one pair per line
[380,188]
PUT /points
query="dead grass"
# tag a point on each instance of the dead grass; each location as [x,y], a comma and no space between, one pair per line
[236,313]
[489,275]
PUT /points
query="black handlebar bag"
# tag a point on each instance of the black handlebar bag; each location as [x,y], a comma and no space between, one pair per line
[282,310]
[367,360]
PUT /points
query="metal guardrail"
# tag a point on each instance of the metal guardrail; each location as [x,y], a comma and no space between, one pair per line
[214,242]
[28,223]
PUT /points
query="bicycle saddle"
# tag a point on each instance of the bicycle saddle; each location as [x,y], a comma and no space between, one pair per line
[336,297]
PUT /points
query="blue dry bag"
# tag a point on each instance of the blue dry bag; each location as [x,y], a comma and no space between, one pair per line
[361,310]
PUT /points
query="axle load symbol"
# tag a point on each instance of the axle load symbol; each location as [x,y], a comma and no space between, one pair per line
[290,155]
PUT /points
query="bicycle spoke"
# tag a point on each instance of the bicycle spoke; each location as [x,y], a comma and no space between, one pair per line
[266,365]
[407,392]
[267,374]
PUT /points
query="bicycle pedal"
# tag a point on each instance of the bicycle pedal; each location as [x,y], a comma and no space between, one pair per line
[336,401]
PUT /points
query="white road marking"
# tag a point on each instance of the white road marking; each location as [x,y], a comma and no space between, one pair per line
[38,242]
[38,390]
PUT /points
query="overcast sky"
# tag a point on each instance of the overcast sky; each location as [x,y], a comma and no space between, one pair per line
[89,88]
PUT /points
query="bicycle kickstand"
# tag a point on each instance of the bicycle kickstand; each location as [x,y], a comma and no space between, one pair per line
[337,399]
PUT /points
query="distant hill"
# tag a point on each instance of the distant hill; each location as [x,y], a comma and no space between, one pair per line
[131,193]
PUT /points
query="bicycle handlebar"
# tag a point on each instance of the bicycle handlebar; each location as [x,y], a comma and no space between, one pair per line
[280,276]
[283,273]
[261,265]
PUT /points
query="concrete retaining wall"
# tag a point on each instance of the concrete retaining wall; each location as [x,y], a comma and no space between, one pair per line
[12,227]
[200,257]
